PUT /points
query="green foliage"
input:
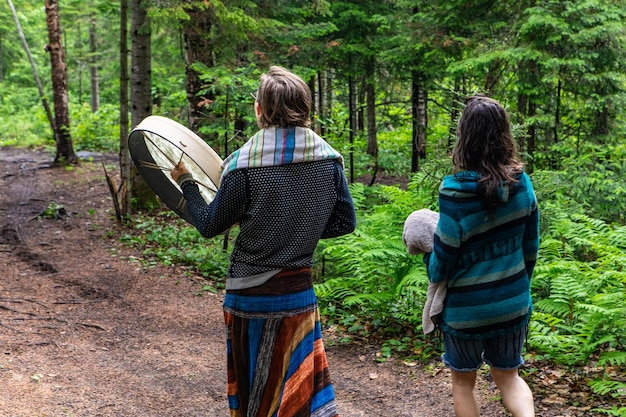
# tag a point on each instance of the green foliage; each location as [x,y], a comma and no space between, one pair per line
[604,386]
[593,181]
[395,151]
[614,411]
[169,240]
[22,117]
[371,276]
[564,60]
[613,358]
[607,385]
[53,211]
[579,288]
[96,132]
[231,89]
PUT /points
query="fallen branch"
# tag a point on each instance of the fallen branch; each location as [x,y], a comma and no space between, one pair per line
[15,311]
[113,190]
[21,300]
[99,300]
[66,322]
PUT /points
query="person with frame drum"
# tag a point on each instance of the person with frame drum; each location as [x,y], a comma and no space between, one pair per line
[286,189]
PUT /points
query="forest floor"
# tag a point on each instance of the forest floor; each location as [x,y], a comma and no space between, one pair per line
[86,329]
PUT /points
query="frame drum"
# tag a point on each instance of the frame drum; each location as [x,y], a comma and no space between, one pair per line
[156,146]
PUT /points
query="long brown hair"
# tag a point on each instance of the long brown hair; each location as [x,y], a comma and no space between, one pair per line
[485,145]
[285,99]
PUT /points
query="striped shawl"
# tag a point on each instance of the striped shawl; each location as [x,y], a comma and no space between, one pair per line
[279,146]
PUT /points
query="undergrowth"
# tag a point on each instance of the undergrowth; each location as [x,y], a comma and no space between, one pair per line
[371,283]
[369,288]
[579,288]
[169,240]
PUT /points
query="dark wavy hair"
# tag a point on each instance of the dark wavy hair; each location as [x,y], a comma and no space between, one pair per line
[285,99]
[485,145]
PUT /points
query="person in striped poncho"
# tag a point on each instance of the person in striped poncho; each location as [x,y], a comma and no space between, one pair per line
[485,248]
[286,189]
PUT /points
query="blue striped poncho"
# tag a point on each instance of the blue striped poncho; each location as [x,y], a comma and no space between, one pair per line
[487,260]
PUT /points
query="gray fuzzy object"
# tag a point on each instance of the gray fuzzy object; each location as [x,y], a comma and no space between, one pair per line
[419,231]
[418,237]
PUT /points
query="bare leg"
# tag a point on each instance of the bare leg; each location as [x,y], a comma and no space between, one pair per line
[463,394]
[516,394]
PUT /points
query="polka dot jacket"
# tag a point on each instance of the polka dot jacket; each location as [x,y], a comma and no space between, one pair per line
[283,211]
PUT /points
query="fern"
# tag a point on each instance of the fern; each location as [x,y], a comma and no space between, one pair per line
[410,294]
[579,290]
[614,411]
[613,358]
[604,386]
[617,237]
[369,272]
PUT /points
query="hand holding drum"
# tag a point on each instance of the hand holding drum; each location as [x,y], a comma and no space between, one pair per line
[163,151]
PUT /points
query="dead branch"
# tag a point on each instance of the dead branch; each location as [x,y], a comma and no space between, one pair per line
[113,190]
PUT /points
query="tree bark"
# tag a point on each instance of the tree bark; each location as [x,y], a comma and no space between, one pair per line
[312,83]
[93,67]
[65,151]
[321,95]
[527,106]
[198,49]
[141,66]
[124,153]
[351,124]
[328,74]
[455,111]
[360,102]
[140,90]
[370,93]
[420,120]
[1,61]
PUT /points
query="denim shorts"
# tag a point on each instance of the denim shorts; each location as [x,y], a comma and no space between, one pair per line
[501,352]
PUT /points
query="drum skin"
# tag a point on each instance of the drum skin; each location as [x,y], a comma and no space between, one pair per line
[157,144]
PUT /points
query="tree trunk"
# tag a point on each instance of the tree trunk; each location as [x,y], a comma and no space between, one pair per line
[522,105]
[557,111]
[530,81]
[141,66]
[370,93]
[140,89]
[420,121]
[455,111]
[312,83]
[351,124]
[93,67]
[532,135]
[360,103]
[124,154]
[493,76]
[226,118]
[321,94]
[198,49]
[65,151]
[328,91]
[1,60]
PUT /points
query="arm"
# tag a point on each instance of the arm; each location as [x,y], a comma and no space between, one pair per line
[441,262]
[343,218]
[226,209]
[530,242]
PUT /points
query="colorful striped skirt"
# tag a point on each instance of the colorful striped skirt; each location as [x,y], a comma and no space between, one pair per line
[277,365]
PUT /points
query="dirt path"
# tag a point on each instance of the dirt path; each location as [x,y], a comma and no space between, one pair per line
[86,330]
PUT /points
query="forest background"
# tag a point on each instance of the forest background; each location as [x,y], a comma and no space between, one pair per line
[389,80]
